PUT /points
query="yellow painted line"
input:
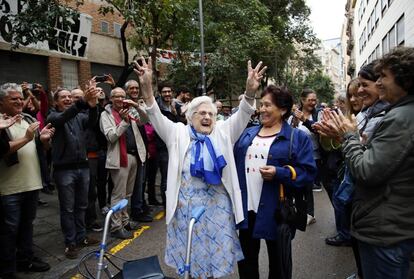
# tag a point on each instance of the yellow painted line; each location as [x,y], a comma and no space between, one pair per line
[126,242]
[160,215]
[120,246]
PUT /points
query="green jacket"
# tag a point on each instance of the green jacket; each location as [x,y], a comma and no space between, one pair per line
[383,209]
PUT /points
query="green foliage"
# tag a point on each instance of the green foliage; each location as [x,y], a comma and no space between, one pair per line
[36,20]
[322,85]
[276,32]
[235,31]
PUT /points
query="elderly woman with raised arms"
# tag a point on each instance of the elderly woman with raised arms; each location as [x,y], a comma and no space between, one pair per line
[202,171]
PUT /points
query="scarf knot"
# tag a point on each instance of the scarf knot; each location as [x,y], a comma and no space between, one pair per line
[207,162]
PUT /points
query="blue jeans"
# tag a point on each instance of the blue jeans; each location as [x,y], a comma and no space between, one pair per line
[342,213]
[17,213]
[73,188]
[386,262]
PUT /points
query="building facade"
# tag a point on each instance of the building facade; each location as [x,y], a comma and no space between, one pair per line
[379,26]
[61,67]
[331,57]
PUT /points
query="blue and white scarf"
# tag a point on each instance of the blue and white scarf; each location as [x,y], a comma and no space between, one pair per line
[207,162]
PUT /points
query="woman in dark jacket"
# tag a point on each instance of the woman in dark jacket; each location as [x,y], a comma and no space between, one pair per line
[266,158]
[382,211]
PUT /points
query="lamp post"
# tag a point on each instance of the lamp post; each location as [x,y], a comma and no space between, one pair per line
[203,74]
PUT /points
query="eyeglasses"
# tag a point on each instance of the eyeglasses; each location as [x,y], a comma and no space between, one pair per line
[118,97]
[166,91]
[204,113]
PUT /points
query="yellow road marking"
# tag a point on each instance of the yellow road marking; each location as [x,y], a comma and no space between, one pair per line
[160,215]
[126,242]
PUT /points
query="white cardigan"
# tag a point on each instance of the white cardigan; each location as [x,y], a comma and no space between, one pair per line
[177,138]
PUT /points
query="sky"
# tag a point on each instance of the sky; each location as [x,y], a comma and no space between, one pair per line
[327,17]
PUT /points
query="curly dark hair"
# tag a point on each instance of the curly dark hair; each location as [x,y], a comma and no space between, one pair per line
[163,84]
[281,97]
[400,62]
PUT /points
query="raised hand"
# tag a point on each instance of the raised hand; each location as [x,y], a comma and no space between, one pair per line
[47,133]
[110,80]
[144,74]
[91,95]
[254,76]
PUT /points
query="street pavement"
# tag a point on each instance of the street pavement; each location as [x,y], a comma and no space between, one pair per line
[312,258]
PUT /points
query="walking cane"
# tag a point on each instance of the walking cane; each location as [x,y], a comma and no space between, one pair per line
[195,217]
[101,266]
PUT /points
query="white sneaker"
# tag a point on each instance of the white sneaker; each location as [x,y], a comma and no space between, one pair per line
[310,220]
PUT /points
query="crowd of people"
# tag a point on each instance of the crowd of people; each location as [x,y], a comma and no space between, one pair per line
[254,171]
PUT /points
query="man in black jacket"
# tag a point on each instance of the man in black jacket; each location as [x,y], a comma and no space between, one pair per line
[167,109]
[70,162]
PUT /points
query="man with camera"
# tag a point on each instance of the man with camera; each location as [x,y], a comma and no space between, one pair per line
[139,210]
[126,149]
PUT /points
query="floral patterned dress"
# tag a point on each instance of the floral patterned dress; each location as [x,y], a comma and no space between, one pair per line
[215,246]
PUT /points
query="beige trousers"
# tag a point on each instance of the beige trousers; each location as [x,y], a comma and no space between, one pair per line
[124,181]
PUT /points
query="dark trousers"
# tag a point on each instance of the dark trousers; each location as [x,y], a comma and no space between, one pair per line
[90,215]
[249,267]
[17,213]
[151,173]
[310,201]
[162,162]
[44,169]
[390,262]
[102,180]
[73,200]
[137,198]
[357,256]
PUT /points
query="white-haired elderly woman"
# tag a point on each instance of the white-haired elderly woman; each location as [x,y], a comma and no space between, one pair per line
[202,171]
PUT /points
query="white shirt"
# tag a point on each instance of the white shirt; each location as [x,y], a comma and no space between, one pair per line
[256,157]
[24,176]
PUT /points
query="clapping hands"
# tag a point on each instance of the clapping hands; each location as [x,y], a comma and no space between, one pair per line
[47,133]
[7,121]
[335,124]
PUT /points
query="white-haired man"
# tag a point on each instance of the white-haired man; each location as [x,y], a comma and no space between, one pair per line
[21,181]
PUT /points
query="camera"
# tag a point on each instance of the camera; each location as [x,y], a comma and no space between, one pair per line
[126,105]
[102,78]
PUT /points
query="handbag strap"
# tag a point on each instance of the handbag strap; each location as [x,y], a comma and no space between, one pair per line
[281,186]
